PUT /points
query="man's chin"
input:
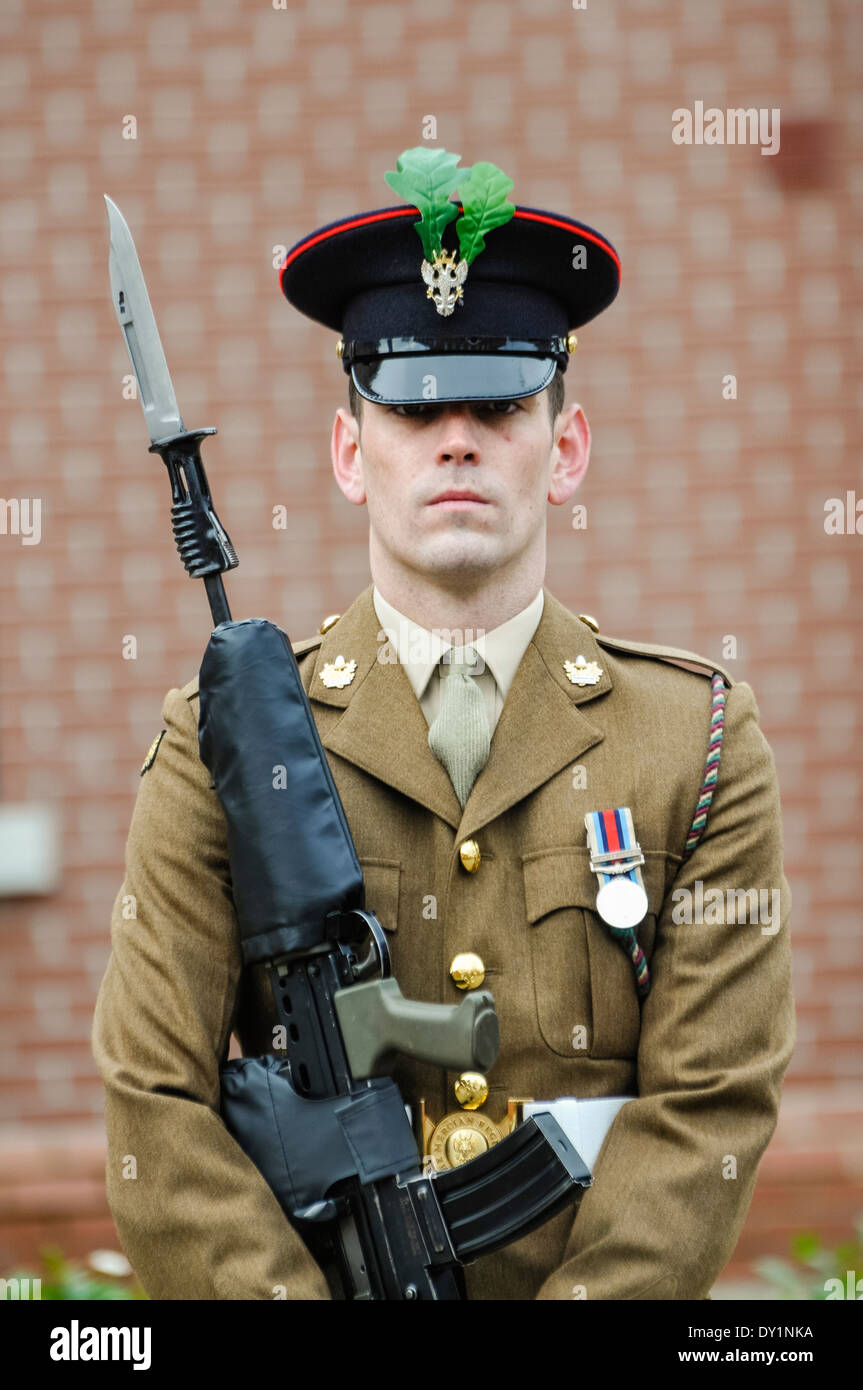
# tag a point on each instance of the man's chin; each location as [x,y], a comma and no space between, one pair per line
[458,561]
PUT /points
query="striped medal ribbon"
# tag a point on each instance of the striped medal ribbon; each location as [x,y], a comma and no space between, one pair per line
[621,900]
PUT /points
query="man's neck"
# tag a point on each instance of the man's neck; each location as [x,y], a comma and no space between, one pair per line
[434,603]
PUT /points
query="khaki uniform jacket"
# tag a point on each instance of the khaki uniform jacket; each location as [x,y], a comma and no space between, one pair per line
[704,1054]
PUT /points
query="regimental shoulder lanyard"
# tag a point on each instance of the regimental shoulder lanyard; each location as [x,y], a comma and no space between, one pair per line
[616,857]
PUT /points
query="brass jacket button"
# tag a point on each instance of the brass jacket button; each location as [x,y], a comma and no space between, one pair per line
[468,853]
[467,970]
[471,1090]
[329,622]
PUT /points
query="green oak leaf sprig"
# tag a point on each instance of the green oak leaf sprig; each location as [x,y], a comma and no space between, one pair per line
[484,197]
[427,178]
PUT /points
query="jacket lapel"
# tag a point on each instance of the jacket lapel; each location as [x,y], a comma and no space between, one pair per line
[382,728]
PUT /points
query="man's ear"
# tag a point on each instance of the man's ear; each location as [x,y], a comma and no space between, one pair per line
[346,456]
[570,453]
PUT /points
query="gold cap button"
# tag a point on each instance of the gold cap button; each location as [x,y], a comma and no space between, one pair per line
[471,1090]
[591,622]
[468,853]
[340,348]
[467,970]
[571,342]
[329,622]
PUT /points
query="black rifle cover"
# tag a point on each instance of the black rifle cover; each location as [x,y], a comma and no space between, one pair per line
[303,1147]
[292,857]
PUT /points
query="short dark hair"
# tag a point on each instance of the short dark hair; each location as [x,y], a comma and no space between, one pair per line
[556,391]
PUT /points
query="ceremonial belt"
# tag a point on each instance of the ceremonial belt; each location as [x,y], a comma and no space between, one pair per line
[465,1134]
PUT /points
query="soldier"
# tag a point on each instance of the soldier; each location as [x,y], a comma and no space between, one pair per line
[588,826]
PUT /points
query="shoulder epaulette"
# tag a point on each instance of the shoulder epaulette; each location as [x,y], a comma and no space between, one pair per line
[307,644]
[676,655]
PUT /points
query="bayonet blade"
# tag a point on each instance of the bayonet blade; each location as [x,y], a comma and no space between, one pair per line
[135,316]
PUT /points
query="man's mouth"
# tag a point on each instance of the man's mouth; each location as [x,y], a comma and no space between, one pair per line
[458,497]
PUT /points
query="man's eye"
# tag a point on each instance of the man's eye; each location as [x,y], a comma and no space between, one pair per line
[410,410]
[500,407]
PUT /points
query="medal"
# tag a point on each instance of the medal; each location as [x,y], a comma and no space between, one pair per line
[621,899]
[621,902]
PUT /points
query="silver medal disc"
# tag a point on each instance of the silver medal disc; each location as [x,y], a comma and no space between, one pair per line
[621,902]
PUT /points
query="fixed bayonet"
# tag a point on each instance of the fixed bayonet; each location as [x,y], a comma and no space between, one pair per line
[135,316]
[203,543]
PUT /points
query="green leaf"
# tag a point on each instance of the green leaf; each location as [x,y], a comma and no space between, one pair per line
[53,1261]
[847,1256]
[484,196]
[805,1245]
[61,1279]
[780,1274]
[426,178]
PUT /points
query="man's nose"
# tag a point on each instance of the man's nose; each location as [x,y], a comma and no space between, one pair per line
[457,442]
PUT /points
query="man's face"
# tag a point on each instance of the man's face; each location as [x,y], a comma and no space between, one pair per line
[459,489]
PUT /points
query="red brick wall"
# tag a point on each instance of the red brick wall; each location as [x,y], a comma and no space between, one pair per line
[705,516]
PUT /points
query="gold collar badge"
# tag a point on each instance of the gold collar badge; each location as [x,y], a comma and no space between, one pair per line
[582,672]
[338,673]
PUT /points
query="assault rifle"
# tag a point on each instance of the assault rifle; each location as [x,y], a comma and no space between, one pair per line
[323,1122]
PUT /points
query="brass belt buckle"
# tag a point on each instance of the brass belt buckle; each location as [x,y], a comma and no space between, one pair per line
[464,1134]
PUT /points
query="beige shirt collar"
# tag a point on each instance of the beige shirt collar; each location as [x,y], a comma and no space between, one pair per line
[420,650]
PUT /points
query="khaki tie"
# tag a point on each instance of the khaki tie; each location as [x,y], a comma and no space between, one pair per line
[459,736]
